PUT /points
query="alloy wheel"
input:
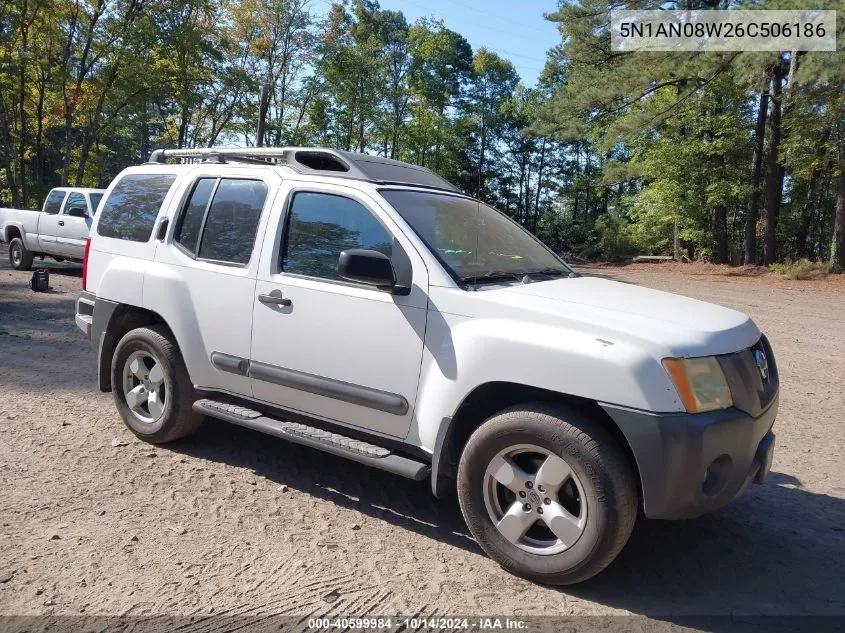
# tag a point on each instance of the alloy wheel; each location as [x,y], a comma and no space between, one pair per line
[144,386]
[534,499]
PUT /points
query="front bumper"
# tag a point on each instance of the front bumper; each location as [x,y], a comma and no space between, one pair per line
[691,464]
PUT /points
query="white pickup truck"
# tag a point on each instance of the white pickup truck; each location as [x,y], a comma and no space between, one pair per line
[59,230]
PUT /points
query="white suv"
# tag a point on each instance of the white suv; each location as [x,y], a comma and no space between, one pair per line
[364,307]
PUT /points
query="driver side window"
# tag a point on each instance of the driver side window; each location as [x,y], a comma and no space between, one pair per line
[320,226]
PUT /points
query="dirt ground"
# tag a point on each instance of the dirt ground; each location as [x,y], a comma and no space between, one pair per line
[230,521]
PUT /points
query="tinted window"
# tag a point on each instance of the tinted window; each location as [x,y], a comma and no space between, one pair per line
[54,202]
[188,232]
[75,201]
[321,226]
[95,200]
[232,221]
[130,211]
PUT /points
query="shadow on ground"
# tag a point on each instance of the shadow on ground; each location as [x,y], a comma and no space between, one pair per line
[778,550]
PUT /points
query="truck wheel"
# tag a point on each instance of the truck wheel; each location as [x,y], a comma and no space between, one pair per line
[151,386]
[547,493]
[19,257]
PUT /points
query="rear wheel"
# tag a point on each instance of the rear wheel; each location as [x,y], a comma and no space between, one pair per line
[151,386]
[19,257]
[547,493]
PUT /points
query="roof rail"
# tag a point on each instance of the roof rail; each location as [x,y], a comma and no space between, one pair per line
[318,161]
[160,155]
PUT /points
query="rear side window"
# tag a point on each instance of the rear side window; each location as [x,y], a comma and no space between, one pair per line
[130,211]
[188,232]
[54,202]
[221,218]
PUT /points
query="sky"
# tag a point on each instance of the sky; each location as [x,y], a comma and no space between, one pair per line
[515,29]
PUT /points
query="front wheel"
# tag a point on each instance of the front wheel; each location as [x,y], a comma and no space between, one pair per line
[547,493]
[151,386]
[19,257]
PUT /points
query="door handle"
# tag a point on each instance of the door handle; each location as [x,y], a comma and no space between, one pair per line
[61,222]
[278,300]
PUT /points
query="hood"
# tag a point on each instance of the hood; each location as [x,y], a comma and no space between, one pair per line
[671,324]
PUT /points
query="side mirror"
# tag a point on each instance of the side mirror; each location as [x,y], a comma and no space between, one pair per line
[366,267]
[76,212]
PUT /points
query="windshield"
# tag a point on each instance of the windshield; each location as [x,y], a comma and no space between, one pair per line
[475,242]
[95,201]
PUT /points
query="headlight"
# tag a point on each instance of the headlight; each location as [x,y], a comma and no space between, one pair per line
[700,383]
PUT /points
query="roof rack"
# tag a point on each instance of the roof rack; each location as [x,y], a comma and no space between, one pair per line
[317,161]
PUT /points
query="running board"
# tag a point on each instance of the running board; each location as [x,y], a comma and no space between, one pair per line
[334,443]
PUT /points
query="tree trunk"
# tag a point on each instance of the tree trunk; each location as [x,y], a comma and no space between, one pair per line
[720,234]
[6,156]
[807,215]
[536,214]
[68,141]
[38,175]
[183,127]
[351,124]
[676,240]
[144,131]
[22,141]
[263,106]
[482,150]
[588,183]
[819,239]
[771,193]
[84,152]
[361,121]
[756,172]
[837,248]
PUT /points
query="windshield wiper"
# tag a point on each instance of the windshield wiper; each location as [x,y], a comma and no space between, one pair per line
[553,272]
[493,275]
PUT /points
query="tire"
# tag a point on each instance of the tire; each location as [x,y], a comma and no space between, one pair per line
[147,369]
[599,495]
[19,257]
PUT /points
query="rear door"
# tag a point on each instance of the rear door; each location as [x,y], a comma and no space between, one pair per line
[48,221]
[203,280]
[74,224]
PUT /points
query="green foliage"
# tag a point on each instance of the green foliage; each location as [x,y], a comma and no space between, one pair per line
[801,269]
[673,139]
[104,82]
[611,154]
[566,236]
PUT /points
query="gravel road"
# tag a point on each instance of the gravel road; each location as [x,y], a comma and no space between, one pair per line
[231,521]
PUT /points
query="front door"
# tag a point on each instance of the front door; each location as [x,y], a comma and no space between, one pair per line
[74,223]
[48,222]
[327,347]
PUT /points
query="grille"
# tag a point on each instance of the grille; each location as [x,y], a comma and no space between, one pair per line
[752,392]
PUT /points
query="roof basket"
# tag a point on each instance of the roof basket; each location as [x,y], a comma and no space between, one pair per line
[317,160]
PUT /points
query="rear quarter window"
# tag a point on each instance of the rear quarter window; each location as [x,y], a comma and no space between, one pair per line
[131,209]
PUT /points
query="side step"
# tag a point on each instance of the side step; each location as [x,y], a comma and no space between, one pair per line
[334,443]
